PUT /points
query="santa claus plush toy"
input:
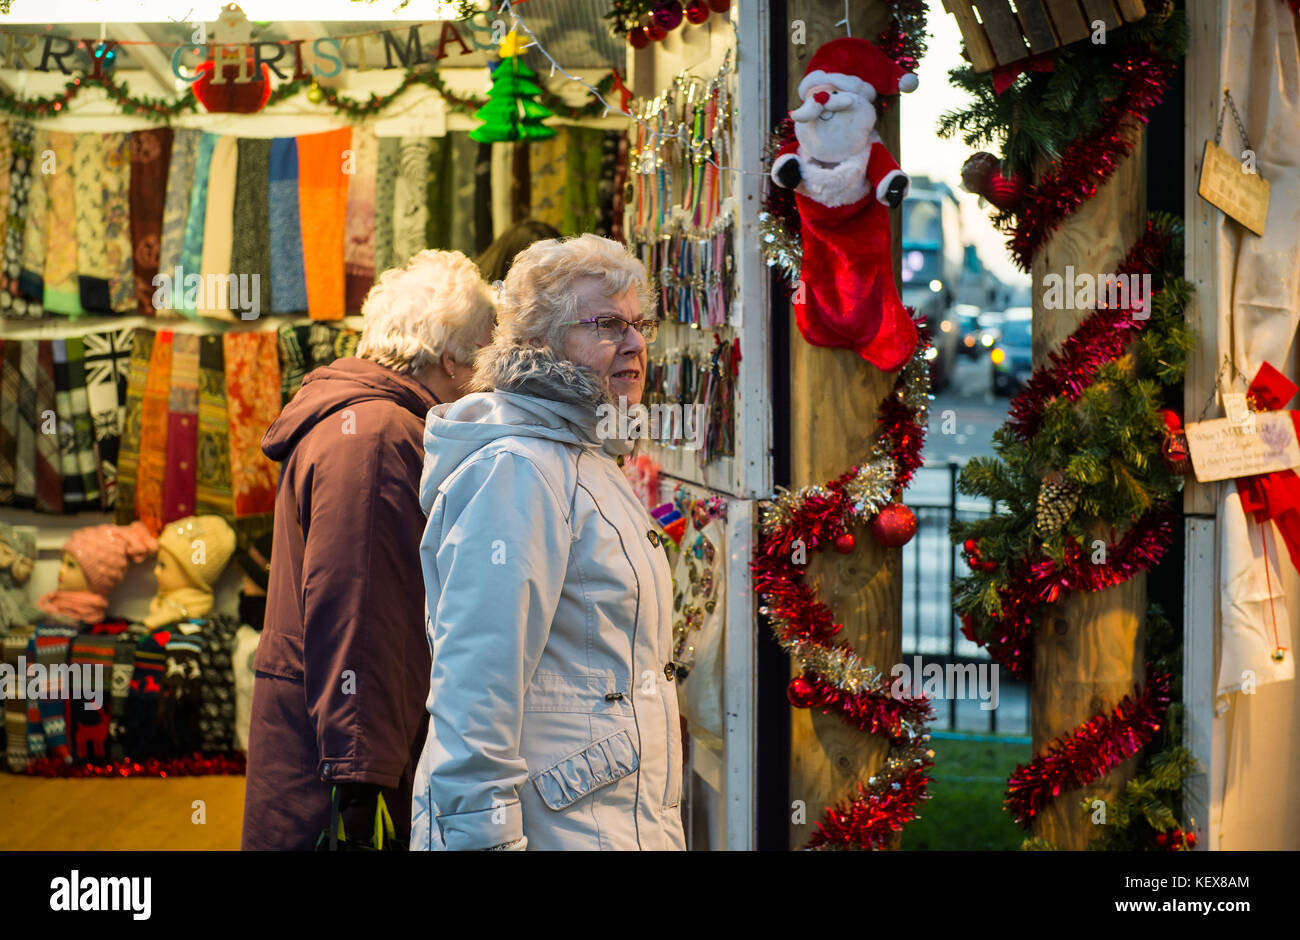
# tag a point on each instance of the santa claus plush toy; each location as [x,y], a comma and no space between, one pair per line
[845,183]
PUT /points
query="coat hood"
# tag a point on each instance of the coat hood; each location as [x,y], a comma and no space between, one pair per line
[341,384]
[528,392]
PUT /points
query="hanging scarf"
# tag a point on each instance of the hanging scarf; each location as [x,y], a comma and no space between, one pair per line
[49,482]
[150,156]
[182,429]
[107,366]
[153,435]
[359,244]
[188,603]
[9,384]
[252,375]
[293,361]
[385,184]
[20,178]
[25,452]
[62,290]
[219,231]
[31,283]
[250,256]
[83,425]
[212,480]
[117,216]
[410,199]
[196,220]
[322,201]
[128,452]
[75,606]
[288,288]
[438,195]
[176,206]
[74,490]
[88,173]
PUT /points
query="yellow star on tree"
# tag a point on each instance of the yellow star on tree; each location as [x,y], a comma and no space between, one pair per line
[510,47]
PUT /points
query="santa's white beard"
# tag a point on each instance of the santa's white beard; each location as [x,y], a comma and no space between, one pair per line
[841,136]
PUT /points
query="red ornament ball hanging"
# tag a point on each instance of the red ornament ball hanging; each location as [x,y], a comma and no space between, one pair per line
[982,175]
[845,543]
[667,16]
[654,32]
[800,692]
[697,11]
[971,547]
[719,6]
[637,38]
[894,525]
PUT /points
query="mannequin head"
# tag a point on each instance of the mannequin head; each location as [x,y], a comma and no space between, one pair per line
[72,577]
[171,576]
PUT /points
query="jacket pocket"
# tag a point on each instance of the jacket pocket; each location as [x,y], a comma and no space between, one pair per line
[596,765]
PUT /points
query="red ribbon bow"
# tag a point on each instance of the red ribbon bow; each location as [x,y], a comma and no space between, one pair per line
[1274,495]
[1004,76]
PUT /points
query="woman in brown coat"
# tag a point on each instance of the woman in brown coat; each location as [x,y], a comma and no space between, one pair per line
[342,669]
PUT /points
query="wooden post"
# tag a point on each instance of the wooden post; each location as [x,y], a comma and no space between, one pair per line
[1089,652]
[834,394]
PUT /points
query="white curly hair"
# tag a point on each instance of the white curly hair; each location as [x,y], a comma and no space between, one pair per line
[437,302]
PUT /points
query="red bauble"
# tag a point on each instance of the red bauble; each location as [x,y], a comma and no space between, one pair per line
[894,525]
[845,543]
[697,11]
[636,38]
[1161,839]
[667,16]
[654,33]
[232,96]
[971,547]
[1006,192]
[719,6]
[981,174]
[800,692]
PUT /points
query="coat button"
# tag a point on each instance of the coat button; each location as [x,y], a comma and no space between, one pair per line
[653,536]
[670,672]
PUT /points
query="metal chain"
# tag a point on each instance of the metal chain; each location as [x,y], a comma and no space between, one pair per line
[1241,128]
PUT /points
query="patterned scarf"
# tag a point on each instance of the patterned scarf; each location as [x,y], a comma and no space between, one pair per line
[88,174]
[385,184]
[150,156]
[107,365]
[410,199]
[62,290]
[212,480]
[74,427]
[251,254]
[293,361]
[117,216]
[359,250]
[252,372]
[31,283]
[182,429]
[25,452]
[322,202]
[49,483]
[128,453]
[219,230]
[10,351]
[153,434]
[20,178]
[196,220]
[176,206]
[288,288]
[83,424]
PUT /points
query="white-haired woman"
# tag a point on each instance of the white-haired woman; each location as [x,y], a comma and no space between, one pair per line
[342,667]
[553,715]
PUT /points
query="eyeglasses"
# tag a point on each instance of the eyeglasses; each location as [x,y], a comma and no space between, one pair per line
[614,329]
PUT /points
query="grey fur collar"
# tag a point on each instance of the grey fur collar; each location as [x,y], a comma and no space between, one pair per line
[535,370]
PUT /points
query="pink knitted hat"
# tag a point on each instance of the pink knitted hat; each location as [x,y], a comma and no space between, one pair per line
[105,551]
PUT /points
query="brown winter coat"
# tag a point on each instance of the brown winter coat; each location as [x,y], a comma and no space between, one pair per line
[342,669]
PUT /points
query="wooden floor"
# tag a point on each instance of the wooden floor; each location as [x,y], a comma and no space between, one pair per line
[134,813]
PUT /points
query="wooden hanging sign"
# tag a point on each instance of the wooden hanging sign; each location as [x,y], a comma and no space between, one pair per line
[1222,449]
[1227,185]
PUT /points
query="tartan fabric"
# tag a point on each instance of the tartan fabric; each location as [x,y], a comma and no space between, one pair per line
[359,246]
[90,158]
[153,434]
[252,375]
[410,199]
[251,252]
[10,350]
[107,365]
[12,304]
[385,183]
[288,287]
[117,223]
[128,453]
[150,155]
[90,725]
[182,429]
[49,483]
[83,424]
[322,205]
[212,480]
[176,206]
[62,286]
[219,230]
[31,284]
[25,450]
[293,362]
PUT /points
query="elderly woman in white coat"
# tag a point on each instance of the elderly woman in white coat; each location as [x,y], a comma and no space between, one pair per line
[553,715]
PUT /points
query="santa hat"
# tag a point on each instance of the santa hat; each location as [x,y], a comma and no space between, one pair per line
[855,65]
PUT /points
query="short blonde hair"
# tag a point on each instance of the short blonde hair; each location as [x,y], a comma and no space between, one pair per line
[540,291]
[437,302]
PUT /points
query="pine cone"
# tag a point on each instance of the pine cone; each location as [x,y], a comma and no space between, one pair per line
[1056,501]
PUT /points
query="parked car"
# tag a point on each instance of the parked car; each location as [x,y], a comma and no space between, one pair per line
[990,328]
[968,330]
[1012,355]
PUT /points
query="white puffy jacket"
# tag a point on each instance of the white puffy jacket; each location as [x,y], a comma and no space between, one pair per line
[552,715]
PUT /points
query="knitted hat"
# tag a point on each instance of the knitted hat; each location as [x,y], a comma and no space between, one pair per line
[184,538]
[854,64]
[105,551]
[21,540]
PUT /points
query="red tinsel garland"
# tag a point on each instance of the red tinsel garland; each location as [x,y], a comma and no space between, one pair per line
[1091,751]
[193,766]
[1089,161]
[869,819]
